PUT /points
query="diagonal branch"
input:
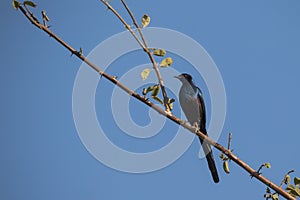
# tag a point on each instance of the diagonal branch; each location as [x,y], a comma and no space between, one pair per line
[144,46]
[112,79]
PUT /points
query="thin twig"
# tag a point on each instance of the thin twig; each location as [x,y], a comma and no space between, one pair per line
[31,14]
[135,23]
[287,174]
[259,169]
[229,141]
[144,46]
[210,141]
[124,23]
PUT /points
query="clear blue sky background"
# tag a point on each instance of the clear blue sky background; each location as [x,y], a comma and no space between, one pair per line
[256,46]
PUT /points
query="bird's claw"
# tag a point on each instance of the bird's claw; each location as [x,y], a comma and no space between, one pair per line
[196,126]
[183,121]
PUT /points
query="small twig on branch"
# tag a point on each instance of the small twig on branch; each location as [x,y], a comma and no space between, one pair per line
[31,14]
[135,23]
[267,165]
[229,141]
[286,178]
[127,26]
[112,79]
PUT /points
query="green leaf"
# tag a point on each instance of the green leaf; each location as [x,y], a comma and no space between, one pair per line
[170,103]
[275,197]
[155,90]
[160,52]
[290,187]
[145,73]
[293,191]
[171,100]
[166,62]
[149,89]
[29,3]
[267,165]
[297,192]
[222,156]
[226,167]
[16,4]
[287,179]
[171,106]
[297,181]
[144,91]
[145,20]
[157,99]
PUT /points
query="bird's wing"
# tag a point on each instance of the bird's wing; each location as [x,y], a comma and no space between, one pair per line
[190,107]
[202,111]
[206,147]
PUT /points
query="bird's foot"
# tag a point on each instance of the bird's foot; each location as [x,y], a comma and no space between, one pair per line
[169,112]
[183,121]
[196,126]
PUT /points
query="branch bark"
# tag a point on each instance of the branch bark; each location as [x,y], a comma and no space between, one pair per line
[112,79]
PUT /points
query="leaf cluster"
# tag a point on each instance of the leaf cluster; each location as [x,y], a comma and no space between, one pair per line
[166,62]
[154,90]
[17,4]
[292,189]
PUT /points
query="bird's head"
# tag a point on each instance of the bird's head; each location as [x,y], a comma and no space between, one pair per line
[184,78]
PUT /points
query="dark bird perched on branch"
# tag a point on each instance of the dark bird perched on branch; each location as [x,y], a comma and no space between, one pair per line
[192,104]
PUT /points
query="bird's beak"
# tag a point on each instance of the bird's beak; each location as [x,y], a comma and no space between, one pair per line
[178,77]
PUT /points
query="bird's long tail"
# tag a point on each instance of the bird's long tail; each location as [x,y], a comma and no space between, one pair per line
[210,159]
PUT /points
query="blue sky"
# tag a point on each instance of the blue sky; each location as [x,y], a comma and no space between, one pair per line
[255,45]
